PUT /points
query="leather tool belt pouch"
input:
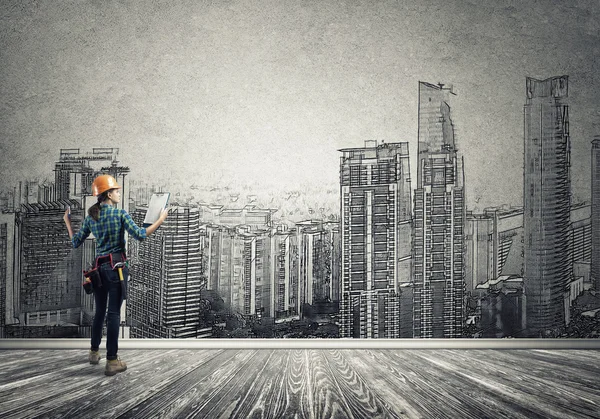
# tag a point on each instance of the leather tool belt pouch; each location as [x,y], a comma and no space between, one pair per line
[91,280]
[117,263]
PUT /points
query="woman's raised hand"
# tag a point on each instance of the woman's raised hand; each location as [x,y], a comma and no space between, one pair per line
[67,216]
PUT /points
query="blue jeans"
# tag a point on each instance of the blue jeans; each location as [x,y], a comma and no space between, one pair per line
[110,293]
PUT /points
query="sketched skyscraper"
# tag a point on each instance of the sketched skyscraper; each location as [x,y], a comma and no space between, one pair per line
[166,277]
[375,234]
[546,203]
[595,268]
[438,242]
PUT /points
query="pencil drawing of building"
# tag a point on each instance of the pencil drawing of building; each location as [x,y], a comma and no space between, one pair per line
[376,238]
[7,231]
[547,203]
[316,251]
[581,232]
[223,250]
[284,272]
[249,216]
[502,307]
[75,171]
[480,263]
[595,227]
[494,242]
[439,208]
[239,267]
[166,277]
[46,286]
[256,278]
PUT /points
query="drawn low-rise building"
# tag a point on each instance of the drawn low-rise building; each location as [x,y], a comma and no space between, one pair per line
[249,216]
[502,307]
[494,242]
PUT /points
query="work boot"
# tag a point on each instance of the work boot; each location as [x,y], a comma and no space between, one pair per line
[114,366]
[94,357]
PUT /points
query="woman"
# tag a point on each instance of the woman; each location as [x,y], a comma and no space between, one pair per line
[108,224]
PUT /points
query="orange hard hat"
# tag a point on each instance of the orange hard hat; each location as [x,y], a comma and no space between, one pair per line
[104,183]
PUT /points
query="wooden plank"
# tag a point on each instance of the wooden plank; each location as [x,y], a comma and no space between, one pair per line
[304,383]
[148,378]
[325,397]
[387,381]
[293,397]
[362,400]
[82,388]
[205,390]
[218,394]
[428,391]
[542,396]
[261,399]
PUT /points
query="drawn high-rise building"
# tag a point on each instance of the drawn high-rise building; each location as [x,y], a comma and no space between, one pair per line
[256,278]
[336,256]
[438,242]
[595,254]
[218,254]
[546,203]
[6,258]
[46,289]
[282,261]
[166,278]
[376,238]
[74,174]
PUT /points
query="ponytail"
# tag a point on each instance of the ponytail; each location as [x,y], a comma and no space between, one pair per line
[94,210]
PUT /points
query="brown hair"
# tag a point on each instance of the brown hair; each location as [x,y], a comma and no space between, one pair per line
[94,210]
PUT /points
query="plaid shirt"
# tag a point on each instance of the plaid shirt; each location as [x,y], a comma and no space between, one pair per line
[109,230]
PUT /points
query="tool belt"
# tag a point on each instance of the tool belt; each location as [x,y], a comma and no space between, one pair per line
[113,258]
[92,279]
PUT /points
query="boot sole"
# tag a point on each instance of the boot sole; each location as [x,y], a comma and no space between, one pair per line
[111,373]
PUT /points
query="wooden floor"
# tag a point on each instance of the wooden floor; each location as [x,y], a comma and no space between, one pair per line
[304,383]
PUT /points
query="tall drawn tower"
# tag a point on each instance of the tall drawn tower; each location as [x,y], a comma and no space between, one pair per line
[439,221]
[375,236]
[546,203]
[595,268]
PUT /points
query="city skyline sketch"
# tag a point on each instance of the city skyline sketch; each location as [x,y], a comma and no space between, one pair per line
[355,170]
